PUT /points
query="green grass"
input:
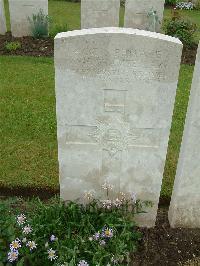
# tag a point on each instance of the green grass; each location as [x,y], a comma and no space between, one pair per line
[63,13]
[180,109]
[28,123]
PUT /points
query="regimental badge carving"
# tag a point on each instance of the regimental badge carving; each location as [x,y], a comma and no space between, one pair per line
[111,135]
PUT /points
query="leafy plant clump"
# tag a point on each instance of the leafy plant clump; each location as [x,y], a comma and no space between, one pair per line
[171,2]
[12,46]
[98,232]
[39,24]
[181,29]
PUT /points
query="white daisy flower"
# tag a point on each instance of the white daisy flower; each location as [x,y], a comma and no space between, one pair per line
[27,229]
[117,203]
[16,244]
[53,238]
[31,245]
[24,240]
[83,263]
[52,254]
[107,204]
[133,197]
[107,186]
[89,195]
[13,255]
[21,219]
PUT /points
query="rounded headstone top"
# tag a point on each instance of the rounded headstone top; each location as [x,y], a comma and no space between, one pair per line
[117,30]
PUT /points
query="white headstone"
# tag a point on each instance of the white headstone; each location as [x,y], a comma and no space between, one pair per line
[99,13]
[115,91]
[3,28]
[20,11]
[138,14]
[185,203]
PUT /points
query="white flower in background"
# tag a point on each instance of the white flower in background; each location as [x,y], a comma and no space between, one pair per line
[24,240]
[96,236]
[117,203]
[53,238]
[133,197]
[27,229]
[102,242]
[13,255]
[107,186]
[123,196]
[89,195]
[16,244]
[46,245]
[107,204]
[113,260]
[21,219]
[52,254]
[31,245]
[83,263]
[90,238]
[185,5]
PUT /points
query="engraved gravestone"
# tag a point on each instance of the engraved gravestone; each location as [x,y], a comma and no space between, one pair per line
[184,209]
[139,14]
[115,91]
[99,13]
[3,28]
[20,11]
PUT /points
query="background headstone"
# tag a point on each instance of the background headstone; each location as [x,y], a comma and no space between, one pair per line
[185,203]
[115,91]
[20,10]
[3,28]
[138,14]
[99,13]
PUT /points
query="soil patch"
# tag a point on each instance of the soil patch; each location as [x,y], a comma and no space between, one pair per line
[29,46]
[189,55]
[45,47]
[162,245]
[28,192]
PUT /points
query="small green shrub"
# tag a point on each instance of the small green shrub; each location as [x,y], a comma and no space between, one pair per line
[12,46]
[181,29]
[57,28]
[170,2]
[39,24]
[68,233]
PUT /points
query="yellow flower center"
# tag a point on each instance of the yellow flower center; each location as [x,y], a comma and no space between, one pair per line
[107,232]
[15,245]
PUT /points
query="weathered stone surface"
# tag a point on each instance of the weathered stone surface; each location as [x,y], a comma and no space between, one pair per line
[99,13]
[115,91]
[20,10]
[136,14]
[185,203]
[3,28]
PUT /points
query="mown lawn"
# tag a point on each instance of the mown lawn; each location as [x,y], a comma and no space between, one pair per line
[27,119]
[28,123]
[63,13]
